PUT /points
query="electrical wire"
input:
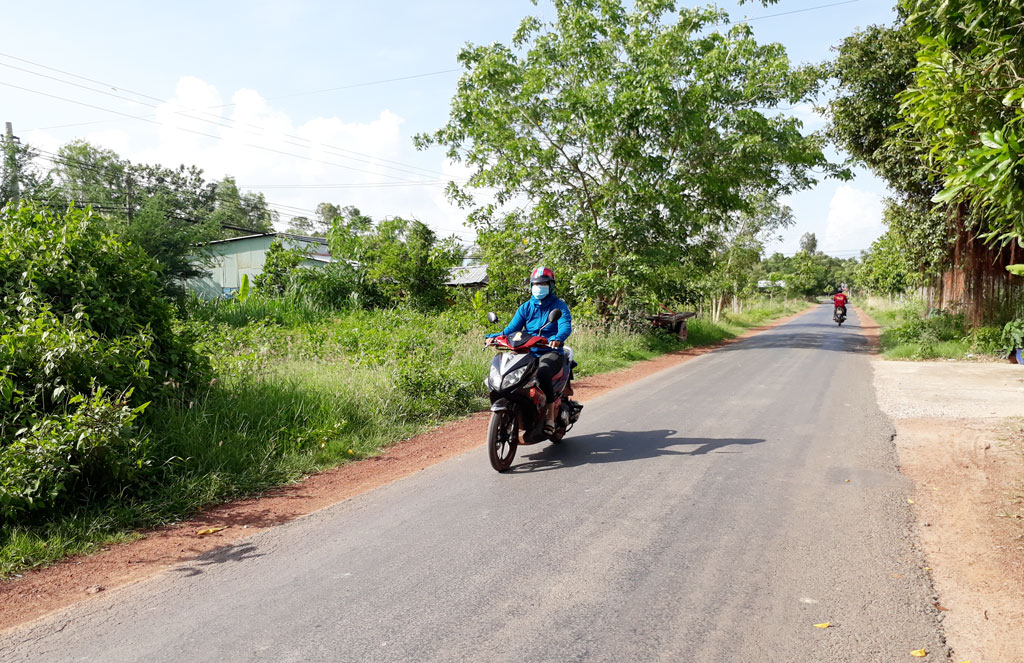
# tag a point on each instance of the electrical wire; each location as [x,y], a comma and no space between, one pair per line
[218,119]
[798,11]
[200,133]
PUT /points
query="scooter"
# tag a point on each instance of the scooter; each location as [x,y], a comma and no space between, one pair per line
[518,404]
[839,315]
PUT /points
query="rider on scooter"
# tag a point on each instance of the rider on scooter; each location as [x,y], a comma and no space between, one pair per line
[532,317]
[838,299]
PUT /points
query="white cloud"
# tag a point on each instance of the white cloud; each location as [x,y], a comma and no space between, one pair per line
[854,220]
[260,145]
[805,113]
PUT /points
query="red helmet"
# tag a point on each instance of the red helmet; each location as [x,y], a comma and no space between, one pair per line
[542,275]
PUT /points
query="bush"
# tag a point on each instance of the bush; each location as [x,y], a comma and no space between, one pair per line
[986,340]
[81,315]
[79,454]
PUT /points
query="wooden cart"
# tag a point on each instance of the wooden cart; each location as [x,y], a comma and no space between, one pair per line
[671,320]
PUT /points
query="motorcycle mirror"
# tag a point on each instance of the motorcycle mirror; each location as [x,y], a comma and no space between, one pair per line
[492,318]
[554,315]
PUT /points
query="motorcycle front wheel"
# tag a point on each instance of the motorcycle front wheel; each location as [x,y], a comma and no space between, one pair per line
[502,439]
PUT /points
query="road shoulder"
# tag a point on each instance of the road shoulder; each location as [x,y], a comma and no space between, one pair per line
[960,439]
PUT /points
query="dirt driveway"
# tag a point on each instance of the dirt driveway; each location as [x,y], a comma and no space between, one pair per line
[960,438]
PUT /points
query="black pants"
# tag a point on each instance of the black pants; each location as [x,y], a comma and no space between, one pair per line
[550,364]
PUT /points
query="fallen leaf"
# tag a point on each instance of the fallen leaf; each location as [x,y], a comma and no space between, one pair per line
[211,530]
[847,481]
[824,625]
[941,607]
[910,501]
[920,653]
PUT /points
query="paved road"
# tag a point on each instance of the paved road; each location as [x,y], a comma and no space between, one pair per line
[701,514]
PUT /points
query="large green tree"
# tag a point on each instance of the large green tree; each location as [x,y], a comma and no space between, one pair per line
[872,67]
[966,101]
[614,139]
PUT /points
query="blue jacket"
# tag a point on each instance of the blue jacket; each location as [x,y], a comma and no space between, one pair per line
[533,317]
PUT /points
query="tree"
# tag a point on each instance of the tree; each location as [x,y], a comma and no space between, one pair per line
[240,212]
[321,224]
[809,243]
[966,101]
[872,68]
[278,268]
[885,269]
[614,139]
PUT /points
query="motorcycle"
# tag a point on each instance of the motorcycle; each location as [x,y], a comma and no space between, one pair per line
[518,404]
[839,315]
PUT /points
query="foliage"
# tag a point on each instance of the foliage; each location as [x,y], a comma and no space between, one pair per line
[616,139]
[278,268]
[809,275]
[394,262]
[1012,336]
[247,212]
[966,102]
[871,68]
[885,269]
[88,450]
[82,315]
[18,174]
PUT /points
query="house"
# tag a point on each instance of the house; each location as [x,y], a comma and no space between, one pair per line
[468,276]
[231,259]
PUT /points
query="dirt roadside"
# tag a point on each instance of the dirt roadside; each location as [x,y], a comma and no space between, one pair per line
[960,439]
[42,591]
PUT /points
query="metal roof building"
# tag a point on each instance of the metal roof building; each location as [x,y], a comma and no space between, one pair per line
[236,257]
[472,276]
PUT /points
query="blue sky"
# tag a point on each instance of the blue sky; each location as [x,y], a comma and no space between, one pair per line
[253,73]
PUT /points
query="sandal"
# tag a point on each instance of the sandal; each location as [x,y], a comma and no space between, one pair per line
[549,428]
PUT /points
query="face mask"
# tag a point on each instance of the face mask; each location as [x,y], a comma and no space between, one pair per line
[540,291]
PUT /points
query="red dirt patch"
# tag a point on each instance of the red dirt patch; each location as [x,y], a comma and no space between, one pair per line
[871,330]
[42,591]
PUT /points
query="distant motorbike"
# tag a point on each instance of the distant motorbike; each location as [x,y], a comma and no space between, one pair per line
[517,403]
[839,315]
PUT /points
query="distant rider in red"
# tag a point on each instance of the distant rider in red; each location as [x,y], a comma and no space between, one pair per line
[839,300]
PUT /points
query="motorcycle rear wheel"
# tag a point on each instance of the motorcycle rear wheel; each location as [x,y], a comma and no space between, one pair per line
[502,439]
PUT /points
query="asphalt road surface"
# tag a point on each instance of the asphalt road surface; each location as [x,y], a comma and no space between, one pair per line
[715,511]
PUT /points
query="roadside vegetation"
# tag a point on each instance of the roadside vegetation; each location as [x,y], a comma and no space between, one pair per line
[277,387]
[911,331]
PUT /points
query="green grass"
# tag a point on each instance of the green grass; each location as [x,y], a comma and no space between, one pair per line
[302,391]
[908,334]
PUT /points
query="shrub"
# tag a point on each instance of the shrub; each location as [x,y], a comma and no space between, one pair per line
[1012,336]
[986,340]
[81,315]
[86,451]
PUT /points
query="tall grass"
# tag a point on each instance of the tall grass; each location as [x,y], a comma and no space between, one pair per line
[299,389]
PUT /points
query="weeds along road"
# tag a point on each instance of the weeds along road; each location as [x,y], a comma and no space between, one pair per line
[714,511]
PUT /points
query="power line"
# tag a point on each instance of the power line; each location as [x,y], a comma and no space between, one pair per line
[799,11]
[200,133]
[184,113]
[311,144]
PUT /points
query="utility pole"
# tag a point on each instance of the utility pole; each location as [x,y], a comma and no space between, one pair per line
[12,164]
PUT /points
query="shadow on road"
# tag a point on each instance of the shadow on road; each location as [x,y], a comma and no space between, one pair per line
[234,553]
[617,446]
[810,336]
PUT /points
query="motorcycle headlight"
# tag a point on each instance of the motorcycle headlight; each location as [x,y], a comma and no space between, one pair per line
[513,378]
[494,378]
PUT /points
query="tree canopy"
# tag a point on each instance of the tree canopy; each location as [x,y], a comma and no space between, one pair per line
[617,141]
